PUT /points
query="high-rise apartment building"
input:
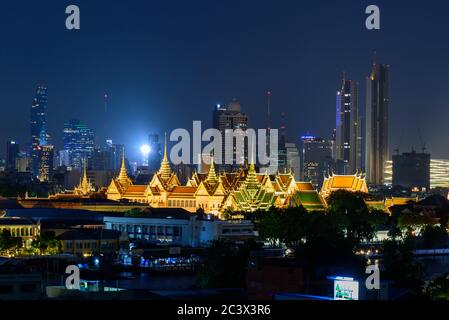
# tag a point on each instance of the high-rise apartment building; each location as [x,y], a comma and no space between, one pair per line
[316,159]
[78,141]
[412,170]
[12,154]
[293,160]
[230,117]
[347,142]
[38,126]
[46,156]
[377,123]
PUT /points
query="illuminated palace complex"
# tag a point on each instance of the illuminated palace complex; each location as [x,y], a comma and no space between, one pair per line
[244,190]
[214,193]
[241,191]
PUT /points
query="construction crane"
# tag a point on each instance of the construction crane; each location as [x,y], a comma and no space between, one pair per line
[423,143]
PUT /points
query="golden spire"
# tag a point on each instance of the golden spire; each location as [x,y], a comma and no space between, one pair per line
[123,176]
[85,174]
[165,170]
[84,188]
[212,176]
[251,177]
[252,165]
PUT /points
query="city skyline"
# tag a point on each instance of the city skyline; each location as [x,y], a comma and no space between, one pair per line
[155,78]
[245,151]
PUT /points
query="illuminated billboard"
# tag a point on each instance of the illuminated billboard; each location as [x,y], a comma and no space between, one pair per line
[346,289]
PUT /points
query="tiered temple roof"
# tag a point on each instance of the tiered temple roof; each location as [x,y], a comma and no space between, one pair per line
[252,195]
[355,183]
[85,188]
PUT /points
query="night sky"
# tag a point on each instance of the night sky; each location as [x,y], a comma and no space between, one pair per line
[166,63]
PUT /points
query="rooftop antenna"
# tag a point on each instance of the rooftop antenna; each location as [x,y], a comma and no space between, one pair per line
[268,136]
[269,93]
[106,100]
[105,120]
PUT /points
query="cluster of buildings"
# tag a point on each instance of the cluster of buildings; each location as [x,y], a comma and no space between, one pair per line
[360,144]
[40,162]
[215,194]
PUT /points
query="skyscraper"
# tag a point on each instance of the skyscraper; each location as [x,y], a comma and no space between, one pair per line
[377,123]
[230,117]
[347,126]
[12,154]
[78,141]
[316,159]
[38,126]
[113,156]
[293,160]
[412,170]
[282,149]
[46,155]
[23,162]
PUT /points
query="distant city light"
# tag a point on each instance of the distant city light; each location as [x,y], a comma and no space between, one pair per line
[145,149]
[308,137]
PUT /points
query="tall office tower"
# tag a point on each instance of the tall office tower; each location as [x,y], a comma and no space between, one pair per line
[316,159]
[269,95]
[230,117]
[78,141]
[23,162]
[155,155]
[12,154]
[347,129]
[113,156]
[97,160]
[293,160]
[38,126]
[377,123]
[412,170]
[282,148]
[46,156]
[64,158]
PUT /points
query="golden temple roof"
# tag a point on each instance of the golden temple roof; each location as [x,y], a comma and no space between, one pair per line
[305,186]
[184,190]
[136,189]
[356,182]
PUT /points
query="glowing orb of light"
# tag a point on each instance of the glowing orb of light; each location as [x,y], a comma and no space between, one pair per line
[145,149]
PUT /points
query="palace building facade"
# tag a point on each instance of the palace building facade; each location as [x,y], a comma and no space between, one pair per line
[353,183]
[243,190]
